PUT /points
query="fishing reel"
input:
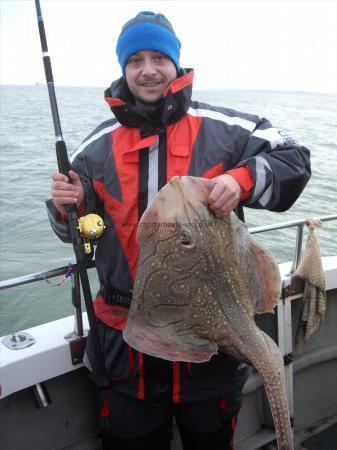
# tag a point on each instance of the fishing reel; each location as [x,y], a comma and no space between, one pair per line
[91,227]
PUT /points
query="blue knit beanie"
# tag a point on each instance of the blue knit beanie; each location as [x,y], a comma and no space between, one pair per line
[148,31]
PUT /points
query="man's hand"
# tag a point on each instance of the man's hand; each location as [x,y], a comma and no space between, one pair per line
[64,193]
[225,195]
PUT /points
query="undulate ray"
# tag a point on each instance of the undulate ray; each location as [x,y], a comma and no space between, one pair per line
[199,282]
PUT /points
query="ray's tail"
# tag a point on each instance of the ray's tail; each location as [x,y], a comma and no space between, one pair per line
[279,408]
[265,356]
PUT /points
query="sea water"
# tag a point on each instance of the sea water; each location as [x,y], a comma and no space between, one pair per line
[27,160]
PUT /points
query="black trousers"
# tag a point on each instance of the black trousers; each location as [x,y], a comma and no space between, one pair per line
[133,424]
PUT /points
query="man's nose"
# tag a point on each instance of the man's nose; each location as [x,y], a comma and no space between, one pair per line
[149,67]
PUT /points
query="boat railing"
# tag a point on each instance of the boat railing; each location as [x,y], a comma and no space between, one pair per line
[299,224]
[59,271]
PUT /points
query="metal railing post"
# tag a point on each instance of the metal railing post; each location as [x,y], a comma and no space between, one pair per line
[76,301]
[298,248]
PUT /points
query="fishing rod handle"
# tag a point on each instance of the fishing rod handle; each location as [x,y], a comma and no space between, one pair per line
[62,158]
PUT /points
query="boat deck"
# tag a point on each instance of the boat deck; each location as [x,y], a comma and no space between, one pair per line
[325,440]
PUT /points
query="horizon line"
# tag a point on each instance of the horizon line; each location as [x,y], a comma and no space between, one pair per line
[195,89]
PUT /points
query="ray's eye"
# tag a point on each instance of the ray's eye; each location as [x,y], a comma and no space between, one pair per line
[185,240]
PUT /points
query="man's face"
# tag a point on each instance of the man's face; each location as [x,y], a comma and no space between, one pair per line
[148,73]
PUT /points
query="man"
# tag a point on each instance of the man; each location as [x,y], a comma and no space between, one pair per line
[159,132]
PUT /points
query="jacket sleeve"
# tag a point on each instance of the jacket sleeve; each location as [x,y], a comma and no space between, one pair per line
[58,223]
[81,165]
[279,167]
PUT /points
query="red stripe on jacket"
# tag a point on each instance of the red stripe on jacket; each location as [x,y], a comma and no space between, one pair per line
[179,152]
[176,382]
[114,101]
[180,83]
[111,315]
[141,386]
[244,177]
[214,171]
[124,214]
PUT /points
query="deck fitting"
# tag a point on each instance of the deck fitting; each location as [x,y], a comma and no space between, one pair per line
[19,340]
[77,346]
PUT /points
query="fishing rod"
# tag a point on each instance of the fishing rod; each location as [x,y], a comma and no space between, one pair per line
[81,231]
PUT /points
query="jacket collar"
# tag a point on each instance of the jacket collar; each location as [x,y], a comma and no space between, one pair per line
[176,102]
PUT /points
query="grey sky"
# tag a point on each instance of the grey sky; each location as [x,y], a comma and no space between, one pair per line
[281,45]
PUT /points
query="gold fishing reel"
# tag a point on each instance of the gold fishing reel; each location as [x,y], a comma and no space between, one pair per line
[91,227]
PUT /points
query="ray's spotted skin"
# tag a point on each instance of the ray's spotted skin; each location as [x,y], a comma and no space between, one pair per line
[200,280]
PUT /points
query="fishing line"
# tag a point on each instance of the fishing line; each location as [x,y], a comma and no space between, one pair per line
[63,279]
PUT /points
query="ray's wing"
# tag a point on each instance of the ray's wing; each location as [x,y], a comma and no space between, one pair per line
[263,275]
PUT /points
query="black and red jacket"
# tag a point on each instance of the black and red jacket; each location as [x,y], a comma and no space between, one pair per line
[124,162]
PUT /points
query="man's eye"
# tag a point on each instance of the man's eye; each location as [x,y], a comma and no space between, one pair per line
[159,57]
[134,60]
